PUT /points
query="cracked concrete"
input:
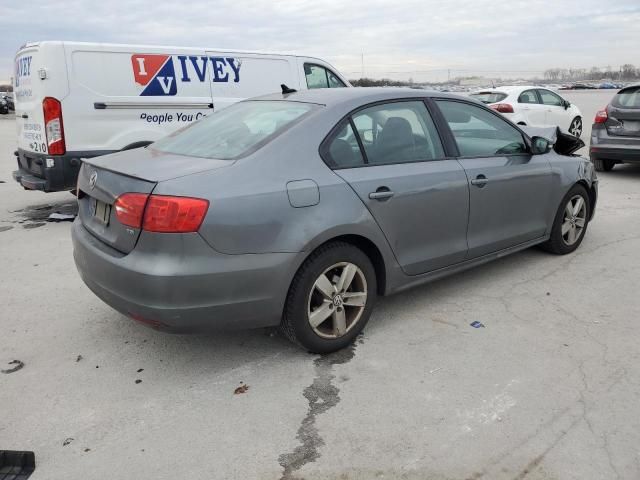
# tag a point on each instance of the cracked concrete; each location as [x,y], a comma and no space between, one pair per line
[547,391]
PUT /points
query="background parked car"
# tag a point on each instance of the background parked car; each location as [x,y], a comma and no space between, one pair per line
[8,98]
[4,105]
[300,209]
[533,106]
[615,134]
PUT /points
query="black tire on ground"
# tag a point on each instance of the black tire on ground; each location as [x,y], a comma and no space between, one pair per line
[556,243]
[295,323]
[603,165]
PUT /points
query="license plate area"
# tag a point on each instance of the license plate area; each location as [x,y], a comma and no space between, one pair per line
[100,211]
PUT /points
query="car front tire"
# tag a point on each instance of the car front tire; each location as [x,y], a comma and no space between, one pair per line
[330,298]
[570,223]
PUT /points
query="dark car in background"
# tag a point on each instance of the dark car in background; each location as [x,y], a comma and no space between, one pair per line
[6,102]
[615,135]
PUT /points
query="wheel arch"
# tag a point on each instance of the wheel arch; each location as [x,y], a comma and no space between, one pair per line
[367,246]
[593,196]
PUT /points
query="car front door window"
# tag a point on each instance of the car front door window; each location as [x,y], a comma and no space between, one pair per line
[319,77]
[480,133]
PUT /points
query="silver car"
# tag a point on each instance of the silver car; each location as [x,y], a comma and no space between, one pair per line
[300,209]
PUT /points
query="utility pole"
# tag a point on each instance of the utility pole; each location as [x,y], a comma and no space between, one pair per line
[449,75]
[362,65]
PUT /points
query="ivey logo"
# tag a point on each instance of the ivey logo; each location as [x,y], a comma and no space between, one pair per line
[157,73]
[23,69]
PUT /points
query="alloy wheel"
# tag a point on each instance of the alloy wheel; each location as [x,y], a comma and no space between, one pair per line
[575,128]
[337,300]
[574,220]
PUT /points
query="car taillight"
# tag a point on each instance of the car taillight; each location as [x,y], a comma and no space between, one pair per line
[53,127]
[502,107]
[601,116]
[169,214]
[130,208]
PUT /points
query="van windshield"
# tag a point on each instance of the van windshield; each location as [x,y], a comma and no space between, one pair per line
[235,131]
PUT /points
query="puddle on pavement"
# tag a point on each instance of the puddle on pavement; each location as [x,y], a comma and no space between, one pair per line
[36,216]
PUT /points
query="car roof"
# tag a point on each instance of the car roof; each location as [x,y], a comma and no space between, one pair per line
[338,96]
[511,88]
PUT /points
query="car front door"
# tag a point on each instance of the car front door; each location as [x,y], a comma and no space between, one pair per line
[532,109]
[509,189]
[392,156]
[556,113]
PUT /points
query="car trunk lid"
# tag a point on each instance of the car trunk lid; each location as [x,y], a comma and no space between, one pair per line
[624,113]
[103,179]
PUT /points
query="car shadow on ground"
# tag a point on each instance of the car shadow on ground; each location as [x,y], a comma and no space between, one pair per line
[225,351]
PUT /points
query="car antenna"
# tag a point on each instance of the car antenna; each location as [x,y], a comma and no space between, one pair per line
[286,89]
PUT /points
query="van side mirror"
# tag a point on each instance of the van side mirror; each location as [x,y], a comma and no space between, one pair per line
[540,145]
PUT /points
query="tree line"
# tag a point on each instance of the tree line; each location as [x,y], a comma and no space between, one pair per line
[625,72]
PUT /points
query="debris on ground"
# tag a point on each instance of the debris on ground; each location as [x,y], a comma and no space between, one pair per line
[18,365]
[87,449]
[477,324]
[431,372]
[67,441]
[241,389]
[138,381]
[79,358]
[60,217]
[140,370]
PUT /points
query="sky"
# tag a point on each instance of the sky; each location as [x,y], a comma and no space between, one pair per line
[422,40]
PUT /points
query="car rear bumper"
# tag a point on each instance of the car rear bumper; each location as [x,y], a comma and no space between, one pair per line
[189,288]
[610,147]
[626,154]
[50,173]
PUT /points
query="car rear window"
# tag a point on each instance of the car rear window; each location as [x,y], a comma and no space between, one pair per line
[627,98]
[235,131]
[489,97]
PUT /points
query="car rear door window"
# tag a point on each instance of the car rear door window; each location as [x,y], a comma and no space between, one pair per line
[528,96]
[320,77]
[550,98]
[398,132]
[343,150]
[627,98]
[481,133]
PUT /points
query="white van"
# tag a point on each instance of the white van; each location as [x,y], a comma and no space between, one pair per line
[79,100]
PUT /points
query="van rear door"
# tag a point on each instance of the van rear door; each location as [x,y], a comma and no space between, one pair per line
[39,72]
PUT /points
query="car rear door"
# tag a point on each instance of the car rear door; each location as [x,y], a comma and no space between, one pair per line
[393,158]
[624,113]
[509,189]
[532,109]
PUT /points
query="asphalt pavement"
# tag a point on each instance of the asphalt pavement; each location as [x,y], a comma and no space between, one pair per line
[547,389]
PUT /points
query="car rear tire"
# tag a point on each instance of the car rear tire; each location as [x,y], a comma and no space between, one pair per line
[570,223]
[330,298]
[575,128]
[603,165]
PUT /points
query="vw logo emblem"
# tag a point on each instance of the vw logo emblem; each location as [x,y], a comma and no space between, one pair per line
[93,179]
[337,300]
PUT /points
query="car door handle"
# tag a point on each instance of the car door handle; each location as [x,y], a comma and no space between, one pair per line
[480,181]
[382,193]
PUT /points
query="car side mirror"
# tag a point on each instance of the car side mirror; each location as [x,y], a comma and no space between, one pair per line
[566,104]
[540,145]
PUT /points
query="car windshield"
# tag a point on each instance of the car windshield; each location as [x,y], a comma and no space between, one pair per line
[627,98]
[235,131]
[489,97]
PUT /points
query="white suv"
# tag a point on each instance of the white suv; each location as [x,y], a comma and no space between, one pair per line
[534,106]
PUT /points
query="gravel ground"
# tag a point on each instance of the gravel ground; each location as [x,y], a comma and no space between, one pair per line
[547,390]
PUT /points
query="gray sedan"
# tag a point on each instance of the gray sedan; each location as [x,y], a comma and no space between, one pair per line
[300,209]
